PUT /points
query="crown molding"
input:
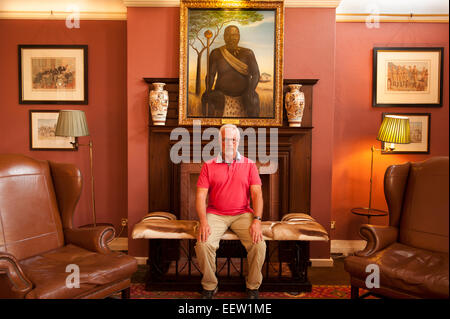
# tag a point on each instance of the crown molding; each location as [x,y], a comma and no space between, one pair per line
[151,3]
[287,3]
[62,15]
[311,4]
[391,17]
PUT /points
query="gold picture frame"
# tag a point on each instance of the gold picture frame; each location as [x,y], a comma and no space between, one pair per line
[222,81]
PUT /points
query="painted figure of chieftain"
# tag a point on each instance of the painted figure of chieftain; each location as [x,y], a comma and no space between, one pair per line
[236,74]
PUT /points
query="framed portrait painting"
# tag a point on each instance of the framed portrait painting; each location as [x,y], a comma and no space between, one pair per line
[231,62]
[419,130]
[407,77]
[42,132]
[53,74]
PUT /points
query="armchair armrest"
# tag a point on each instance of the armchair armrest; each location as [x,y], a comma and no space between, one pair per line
[378,237]
[93,238]
[21,285]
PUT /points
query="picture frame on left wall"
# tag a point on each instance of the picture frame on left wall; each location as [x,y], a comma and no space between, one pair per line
[42,132]
[53,74]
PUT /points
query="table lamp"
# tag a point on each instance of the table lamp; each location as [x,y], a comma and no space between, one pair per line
[393,130]
[73,123]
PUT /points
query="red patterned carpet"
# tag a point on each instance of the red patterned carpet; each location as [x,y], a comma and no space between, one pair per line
[318,292]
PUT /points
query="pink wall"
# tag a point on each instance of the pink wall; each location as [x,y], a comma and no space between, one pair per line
[356,122]
[309,51]
[153,46]
[106,111]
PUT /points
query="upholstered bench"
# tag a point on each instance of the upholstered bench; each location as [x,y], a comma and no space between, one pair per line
[290,236]
[294,226]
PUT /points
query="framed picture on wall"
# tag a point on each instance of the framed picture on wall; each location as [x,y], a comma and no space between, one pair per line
[42,132]
[231,62]
[419,129]
[407,77]
[53,74]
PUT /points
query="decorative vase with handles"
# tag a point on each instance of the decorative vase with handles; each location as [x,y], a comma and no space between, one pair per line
[159,102]
[295,105]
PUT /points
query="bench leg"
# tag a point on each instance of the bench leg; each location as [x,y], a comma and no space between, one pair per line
[354,291]
[126,293]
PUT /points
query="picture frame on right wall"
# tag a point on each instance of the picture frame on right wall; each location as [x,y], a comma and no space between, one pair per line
[407,77]
[419,128]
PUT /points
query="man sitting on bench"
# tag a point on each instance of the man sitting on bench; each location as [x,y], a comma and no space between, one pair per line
[229,179]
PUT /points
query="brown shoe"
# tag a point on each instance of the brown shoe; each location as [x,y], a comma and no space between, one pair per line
[252,294]
[209,294]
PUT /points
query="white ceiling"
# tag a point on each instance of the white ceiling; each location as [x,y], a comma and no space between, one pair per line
[394,6]
[345,7]
[63,5]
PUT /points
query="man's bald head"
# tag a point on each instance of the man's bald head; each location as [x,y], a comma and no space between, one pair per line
[231,28]
[231,35]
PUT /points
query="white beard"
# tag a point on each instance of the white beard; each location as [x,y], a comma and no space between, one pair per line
[228,154]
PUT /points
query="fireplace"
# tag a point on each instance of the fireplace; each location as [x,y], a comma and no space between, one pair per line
[172,188]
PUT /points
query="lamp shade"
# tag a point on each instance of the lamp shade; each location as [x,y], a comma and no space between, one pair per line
[394,129]
[71,123]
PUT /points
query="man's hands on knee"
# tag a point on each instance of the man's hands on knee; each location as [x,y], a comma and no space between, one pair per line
[200,203]
[256,231]
[255,228]
[203,231]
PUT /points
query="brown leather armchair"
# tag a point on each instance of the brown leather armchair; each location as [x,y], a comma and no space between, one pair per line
[38,241]
[412,252]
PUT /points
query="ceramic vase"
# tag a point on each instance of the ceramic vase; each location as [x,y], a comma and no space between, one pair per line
[295,105]
[159,102]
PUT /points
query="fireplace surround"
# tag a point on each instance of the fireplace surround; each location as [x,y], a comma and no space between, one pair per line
[287,190]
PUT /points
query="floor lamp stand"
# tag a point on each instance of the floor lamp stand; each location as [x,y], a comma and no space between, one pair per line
[369,211]
[91,162]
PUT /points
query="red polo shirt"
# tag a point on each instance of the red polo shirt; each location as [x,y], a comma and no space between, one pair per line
[229,185]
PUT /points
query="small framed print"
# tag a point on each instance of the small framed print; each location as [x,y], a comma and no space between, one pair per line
[42,132]
[419,128]
[53,74]
[407,77]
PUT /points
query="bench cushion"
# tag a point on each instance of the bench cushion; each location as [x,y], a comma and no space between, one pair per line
[293,226]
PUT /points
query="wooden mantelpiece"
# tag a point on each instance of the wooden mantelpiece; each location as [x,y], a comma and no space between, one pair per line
[172,88]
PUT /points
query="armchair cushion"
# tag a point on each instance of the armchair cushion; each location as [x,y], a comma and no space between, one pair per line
[48,273]
[414,271]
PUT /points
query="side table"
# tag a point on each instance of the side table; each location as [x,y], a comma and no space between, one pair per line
[369,212]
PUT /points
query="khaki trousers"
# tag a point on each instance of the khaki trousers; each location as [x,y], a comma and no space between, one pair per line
[206,251]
